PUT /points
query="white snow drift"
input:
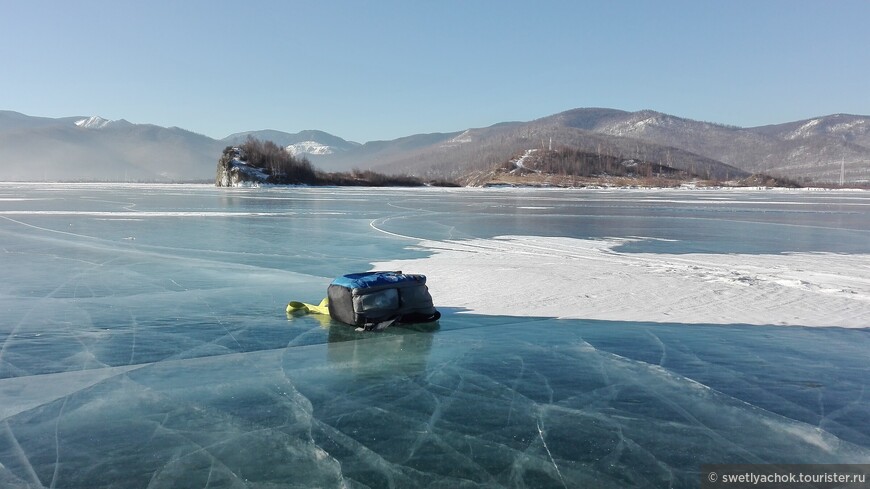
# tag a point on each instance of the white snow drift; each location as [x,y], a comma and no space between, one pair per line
[583,278]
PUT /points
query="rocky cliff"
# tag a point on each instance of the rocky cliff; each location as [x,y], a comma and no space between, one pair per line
[232,171]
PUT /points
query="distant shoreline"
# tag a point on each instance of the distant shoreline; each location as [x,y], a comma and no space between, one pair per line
[682,188]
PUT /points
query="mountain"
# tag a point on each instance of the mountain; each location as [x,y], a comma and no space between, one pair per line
[812,150]
[11,121]
[308,142]
[93,148]
[97,122]
[395,156]
[454,155]
[823,147]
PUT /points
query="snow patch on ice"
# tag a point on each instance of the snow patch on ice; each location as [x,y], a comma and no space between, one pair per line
[590,279]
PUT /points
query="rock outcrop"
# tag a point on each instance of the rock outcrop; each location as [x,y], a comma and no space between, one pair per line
[232,171]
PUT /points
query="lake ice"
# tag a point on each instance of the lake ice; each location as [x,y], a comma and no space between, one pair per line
[589,338]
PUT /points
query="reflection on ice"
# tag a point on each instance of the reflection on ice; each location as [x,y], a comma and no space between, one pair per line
[401,349]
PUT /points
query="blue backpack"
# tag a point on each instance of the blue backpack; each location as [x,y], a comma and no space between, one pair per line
[375,300]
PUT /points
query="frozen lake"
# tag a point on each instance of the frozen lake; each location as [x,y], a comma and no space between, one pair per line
[589,338]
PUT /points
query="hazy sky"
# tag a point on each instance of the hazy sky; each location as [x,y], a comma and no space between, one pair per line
[368,70]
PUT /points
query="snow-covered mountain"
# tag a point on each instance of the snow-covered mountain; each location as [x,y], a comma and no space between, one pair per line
[309,148]
[849,128]
[814,150]
[94,148]
[97,122]
[303,143]
[93,122]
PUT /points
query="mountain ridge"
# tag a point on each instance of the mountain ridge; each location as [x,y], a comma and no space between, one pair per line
[817,149]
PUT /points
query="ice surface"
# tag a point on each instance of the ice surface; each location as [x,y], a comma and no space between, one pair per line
[484,401]
[143,341]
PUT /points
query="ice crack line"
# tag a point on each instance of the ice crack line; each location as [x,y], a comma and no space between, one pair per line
[57,444]
[541,434]
[22,456]
[374,223]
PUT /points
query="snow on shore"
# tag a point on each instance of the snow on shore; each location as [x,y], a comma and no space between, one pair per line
[589,279]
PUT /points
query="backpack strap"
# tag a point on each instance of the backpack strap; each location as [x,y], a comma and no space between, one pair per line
[416,317]
[378,325]
[411,318]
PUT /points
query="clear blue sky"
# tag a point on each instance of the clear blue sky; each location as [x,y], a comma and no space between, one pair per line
[368,70]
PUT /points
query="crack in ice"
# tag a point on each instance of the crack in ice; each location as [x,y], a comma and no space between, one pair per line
[57,443]
[22,456]
[556,466]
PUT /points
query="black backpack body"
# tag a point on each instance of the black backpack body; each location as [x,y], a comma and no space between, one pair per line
[375,300]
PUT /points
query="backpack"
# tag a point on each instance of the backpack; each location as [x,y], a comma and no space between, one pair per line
[375,300]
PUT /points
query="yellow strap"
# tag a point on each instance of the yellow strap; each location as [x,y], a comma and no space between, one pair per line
[304,308]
